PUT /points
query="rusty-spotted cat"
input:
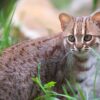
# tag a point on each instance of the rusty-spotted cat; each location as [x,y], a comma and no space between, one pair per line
[67,55]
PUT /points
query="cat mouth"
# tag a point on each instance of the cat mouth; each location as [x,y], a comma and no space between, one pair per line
[80,51]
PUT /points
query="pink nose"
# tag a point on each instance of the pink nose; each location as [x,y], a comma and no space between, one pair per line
[79,46]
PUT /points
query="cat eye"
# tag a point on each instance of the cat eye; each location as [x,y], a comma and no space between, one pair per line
[87,38]
[71,38]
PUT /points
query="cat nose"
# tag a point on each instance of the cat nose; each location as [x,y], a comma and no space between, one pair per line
[79,46]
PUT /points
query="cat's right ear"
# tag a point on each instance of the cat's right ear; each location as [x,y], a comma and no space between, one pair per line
[64,20]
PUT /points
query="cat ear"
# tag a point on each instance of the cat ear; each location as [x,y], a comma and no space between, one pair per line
[64,20]
[96,16]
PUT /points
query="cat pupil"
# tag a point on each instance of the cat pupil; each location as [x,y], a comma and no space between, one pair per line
[71,38]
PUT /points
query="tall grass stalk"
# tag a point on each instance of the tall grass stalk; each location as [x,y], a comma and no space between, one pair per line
[5,25]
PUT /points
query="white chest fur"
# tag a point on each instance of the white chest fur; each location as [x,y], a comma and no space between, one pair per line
[88,79]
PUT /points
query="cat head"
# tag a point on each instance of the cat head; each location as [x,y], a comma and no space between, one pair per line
[80,33]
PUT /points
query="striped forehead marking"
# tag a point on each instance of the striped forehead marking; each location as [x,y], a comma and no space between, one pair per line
[75,27]
[83,25]
[79,28]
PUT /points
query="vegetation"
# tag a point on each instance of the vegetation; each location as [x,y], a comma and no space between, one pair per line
[95,2]
[47,89]
[6,15]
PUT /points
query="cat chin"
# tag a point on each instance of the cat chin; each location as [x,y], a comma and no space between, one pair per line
[81,54]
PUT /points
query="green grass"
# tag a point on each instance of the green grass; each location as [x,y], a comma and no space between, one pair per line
[6,15]
[47,89]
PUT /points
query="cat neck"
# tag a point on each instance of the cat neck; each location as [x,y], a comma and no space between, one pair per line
[84,62]
[82,66]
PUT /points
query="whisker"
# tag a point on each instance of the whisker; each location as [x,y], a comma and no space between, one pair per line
[95,53]
[72,49]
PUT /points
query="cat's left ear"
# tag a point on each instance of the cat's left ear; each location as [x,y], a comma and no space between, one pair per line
[96,17]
